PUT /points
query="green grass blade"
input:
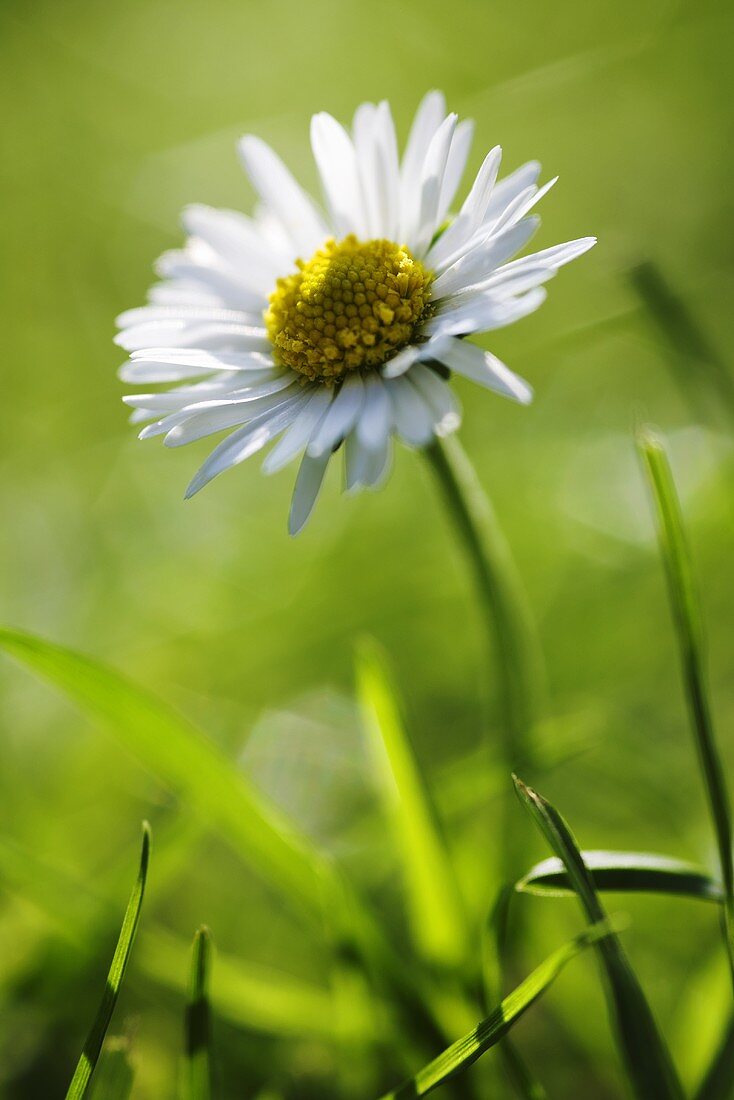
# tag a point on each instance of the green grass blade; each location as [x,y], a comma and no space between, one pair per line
[197,1067]
[644,1053]
[186,762]
[634,872]
[92,1047]
[686,615]
[435,909]
[460,1055]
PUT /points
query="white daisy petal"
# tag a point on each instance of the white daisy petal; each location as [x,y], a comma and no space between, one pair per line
[202,391]
[295,439]
[482,312]
[412,415]
[455,165]
[431,183]
[401,362]
[339,418]
[186,292]
[378,464]
[507,190]
[482,261]
[336,161]
[284,197]
[239,242]
[377,156]
[522,205]
[440,398]
[375,420]
[243,443]
[207,419]
[470,217]
[356,462]
[483,367]
[183,335]
[185,313]
[175,364]
[308,483]
[429,116]
[228,285]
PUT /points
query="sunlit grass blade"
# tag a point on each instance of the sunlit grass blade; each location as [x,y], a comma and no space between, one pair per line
[189,764]
[687,618]
[115,1075]
[197,1066]
[718,1083]
[634,872]
[460,1055]
[701,372]
[509,624]
[92,1047]
[435,909]
[644,1053]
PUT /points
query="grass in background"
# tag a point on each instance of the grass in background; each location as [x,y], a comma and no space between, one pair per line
[118,115]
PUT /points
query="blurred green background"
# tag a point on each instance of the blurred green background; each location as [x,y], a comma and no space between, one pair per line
[115,115]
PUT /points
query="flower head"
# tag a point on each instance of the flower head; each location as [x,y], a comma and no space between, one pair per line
[339,329]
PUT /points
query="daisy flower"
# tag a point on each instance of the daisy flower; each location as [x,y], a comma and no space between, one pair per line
[340,327]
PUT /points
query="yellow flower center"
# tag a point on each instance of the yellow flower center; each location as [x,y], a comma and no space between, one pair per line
[351,307]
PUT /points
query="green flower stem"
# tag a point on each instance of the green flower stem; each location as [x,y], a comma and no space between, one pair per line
[509,627]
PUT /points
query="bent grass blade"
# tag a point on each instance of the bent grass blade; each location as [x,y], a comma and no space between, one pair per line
[630,872]
[460,1055]
[646,1058]
[93,1046]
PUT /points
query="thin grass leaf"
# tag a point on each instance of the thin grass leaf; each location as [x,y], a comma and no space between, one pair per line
[687,618]
[115,1075]
[632,872]
[460,1055]
[198,1028]
[644,1053]
[435,909]
[92,1047]
[189,764]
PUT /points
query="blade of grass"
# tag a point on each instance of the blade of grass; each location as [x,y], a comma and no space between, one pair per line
[189,764]
[644,1053]
[460,1055]
[633,872]
[686,615]
[198,1026]
[435,908]
[92,1047]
